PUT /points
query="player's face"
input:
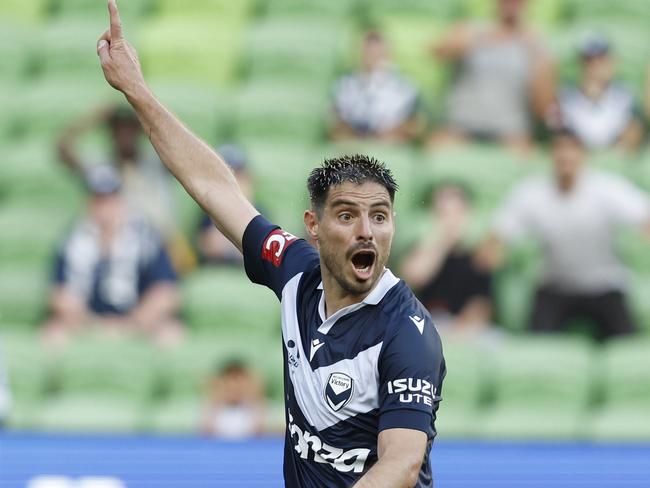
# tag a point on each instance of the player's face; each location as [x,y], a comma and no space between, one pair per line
[354,234]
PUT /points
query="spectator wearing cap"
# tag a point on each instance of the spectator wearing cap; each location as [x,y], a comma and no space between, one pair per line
[112,271]
[600,110]
[145,181]
[574,215]
[503,80]
[213,246]
[376,101]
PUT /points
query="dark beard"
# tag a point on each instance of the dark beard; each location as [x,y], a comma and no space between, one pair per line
[354,289]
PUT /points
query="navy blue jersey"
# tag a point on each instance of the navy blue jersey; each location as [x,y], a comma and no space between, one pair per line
[370,366]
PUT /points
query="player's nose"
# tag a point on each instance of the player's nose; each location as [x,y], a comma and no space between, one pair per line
[364,229]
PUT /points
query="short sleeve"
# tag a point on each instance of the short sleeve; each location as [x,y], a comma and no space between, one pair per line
[512,221]
[158,270]
[272,256]
[411,369]
[629,205]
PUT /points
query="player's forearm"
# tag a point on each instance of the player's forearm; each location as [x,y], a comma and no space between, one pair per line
[390,473]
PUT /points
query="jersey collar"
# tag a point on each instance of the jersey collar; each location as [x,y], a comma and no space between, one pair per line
[385,283]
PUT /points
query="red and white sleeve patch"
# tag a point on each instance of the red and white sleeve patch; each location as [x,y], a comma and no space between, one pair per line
[275,245]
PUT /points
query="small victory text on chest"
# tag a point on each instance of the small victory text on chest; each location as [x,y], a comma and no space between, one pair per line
[338,390]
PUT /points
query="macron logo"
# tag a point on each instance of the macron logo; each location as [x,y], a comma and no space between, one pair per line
[316,344]
[419,323]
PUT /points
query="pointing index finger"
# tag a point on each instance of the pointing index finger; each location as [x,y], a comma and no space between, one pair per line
[116,24]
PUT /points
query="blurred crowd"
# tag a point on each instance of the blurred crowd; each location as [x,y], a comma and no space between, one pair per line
[118,268]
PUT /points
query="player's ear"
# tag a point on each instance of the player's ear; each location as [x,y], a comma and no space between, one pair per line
[311,224]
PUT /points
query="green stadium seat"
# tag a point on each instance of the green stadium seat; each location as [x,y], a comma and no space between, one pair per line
[515,286]
[22,294]
[336,9]
[189,367]
[68,45]
[15,40]
[489,171]
[280,110]
[543,387]
[639,288]
[625,414]
[283,48]
[204,109]
[280,170]
[31,233]
[622,12]
[218,299]
[215,10]
[24,11]
[47,106]
[464,388]
[191,48]
[106,384]
[543,14]
[130,11]
[441,9]
[27,366]
[32,176]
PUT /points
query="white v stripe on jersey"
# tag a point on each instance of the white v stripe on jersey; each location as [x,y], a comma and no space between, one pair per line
[315,346]
[419,323]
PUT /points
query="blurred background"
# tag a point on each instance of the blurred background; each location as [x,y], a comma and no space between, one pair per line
[517,131]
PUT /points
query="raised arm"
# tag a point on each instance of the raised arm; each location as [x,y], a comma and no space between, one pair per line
[199,169]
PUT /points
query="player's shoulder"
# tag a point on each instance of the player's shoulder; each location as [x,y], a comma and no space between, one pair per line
[407,320]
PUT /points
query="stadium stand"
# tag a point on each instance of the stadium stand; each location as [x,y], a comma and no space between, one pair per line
[259,72]
[625,412]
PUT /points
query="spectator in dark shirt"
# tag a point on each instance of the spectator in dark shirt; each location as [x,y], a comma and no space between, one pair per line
[146,184]
[113,271]
[376,101]
[442,268]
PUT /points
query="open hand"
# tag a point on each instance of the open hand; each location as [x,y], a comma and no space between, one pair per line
[118,58]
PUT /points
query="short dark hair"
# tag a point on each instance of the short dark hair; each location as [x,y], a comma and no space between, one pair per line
[432,188]
[566,133]
[355,168]
[122,115]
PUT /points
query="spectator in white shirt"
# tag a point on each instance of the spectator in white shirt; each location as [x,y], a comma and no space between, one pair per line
[376,101]
[601,111]
[575,215]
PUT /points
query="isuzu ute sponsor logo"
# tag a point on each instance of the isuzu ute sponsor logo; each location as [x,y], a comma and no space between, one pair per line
[338,390]
[310,446]
[413,390]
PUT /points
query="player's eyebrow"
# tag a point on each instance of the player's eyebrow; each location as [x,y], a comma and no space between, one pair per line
[342,202]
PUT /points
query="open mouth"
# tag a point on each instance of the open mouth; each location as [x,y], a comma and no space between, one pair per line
[362,262]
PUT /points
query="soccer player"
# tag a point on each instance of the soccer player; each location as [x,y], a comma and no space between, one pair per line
[363,362]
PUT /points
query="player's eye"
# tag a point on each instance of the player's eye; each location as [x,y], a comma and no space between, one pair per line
[345,217]
[380,217]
